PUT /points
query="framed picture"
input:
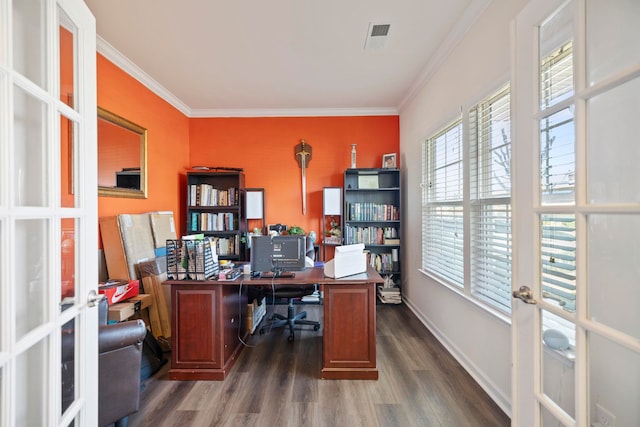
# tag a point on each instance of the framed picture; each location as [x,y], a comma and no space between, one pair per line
[389,160]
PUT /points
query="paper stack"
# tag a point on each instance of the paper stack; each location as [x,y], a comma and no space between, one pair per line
[390,295]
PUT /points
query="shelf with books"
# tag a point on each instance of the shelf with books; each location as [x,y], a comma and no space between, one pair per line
[372,200]
[215,208]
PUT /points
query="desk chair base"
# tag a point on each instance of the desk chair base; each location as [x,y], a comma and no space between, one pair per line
[290,319]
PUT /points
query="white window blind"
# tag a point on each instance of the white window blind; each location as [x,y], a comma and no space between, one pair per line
[558,253]
[490,155]
[556,76]
[442,214]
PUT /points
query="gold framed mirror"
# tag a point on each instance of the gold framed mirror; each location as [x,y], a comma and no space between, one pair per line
[122,157]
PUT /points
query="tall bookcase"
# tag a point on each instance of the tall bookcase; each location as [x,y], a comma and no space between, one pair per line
[215,202]
[372,216]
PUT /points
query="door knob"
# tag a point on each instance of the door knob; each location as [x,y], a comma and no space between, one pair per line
[525,294]
[94,298]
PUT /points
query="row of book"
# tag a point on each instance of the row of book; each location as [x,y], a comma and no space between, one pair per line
[383,262]
[205,221]
[227,246]
[206,195]
[372,235]
[369,211]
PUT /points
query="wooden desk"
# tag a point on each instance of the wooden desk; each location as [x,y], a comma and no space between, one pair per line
[206,319]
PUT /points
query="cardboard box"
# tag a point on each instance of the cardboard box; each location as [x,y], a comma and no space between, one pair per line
[127,240]
[125,310]
[119,290]
[255,312]
[163,228]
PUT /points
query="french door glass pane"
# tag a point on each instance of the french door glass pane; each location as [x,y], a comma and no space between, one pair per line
[2,387]
[31,385]
[68,374]
[30,150]
[68,260]
[613,151]
[612,37]
[557,158]
[548,420]
[68,150]
[31,285]
[29,47]
[614,294]
[614,380]
[557,363]
[558,259]
[556,57]
[67,66]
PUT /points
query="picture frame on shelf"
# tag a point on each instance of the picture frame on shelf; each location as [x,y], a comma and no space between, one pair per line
[389,161]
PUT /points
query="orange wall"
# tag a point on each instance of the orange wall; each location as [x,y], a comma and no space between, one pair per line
[264,148]
[167,141]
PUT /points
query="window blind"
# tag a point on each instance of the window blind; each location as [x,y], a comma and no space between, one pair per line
[558,259]
[442,214]
[490,153]
[556,76]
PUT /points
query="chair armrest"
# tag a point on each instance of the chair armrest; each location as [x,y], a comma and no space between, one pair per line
[118,335]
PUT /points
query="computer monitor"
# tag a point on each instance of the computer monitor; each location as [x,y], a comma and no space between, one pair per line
[278,254]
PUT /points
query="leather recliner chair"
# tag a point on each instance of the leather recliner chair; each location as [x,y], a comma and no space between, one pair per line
[119,361]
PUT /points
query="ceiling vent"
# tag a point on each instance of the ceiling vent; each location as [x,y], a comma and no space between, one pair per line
[377,36]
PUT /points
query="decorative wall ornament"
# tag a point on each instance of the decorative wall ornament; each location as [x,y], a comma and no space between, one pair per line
[303,153]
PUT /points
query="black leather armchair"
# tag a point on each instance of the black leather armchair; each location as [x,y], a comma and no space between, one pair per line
[120,355]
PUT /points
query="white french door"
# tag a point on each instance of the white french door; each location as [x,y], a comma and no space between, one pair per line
[48,214]
[576,343]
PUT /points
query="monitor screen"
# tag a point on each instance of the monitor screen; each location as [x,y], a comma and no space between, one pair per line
[278,253]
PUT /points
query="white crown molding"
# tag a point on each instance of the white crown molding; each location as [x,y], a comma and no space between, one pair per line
[295,112]
[455,36]
[126,65]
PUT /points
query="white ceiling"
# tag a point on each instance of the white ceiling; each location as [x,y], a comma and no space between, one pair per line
[280,57]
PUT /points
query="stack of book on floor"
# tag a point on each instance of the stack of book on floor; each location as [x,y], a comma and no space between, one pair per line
[313,298]
[389,295]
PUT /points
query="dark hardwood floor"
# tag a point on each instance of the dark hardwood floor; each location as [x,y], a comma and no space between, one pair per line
[276,383]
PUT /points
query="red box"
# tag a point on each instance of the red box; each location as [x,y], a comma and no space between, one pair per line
[119,290]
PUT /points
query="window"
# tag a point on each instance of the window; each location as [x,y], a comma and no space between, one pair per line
[442,215]
[486,206]
[490,147]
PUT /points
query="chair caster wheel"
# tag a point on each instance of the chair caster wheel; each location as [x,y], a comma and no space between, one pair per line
[261,331]
[316,327]
[291,337]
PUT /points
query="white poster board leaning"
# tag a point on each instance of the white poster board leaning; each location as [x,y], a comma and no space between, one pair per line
[332,201]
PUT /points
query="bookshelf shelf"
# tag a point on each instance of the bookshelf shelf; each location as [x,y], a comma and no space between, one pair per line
[372,215]
[215,208]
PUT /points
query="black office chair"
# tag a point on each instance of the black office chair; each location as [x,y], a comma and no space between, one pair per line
[291,293]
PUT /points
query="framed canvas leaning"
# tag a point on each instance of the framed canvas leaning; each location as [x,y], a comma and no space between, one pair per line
[389,160]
